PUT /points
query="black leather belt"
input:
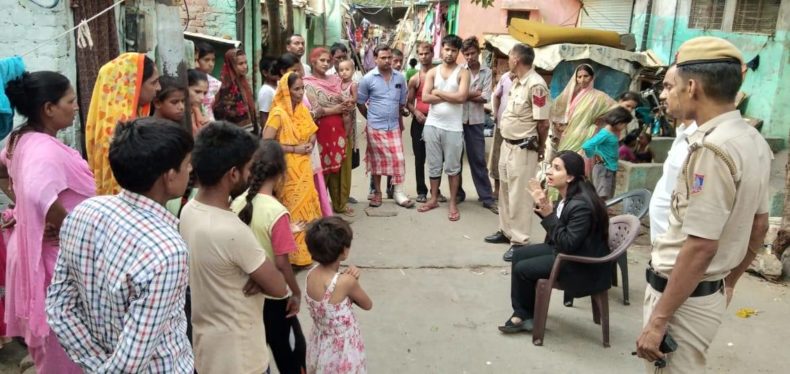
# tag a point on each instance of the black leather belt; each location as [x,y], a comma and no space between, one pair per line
[517,141]
[659,283]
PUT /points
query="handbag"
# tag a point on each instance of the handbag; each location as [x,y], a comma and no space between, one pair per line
[355,158]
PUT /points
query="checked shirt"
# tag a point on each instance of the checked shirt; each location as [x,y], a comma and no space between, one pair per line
[116,301]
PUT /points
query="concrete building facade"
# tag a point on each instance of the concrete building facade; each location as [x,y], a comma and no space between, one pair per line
[757,27]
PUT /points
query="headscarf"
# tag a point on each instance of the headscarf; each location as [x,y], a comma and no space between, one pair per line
[330,84]
[234,102]
[295,124]
[116,96]
[563,106]
[579,112]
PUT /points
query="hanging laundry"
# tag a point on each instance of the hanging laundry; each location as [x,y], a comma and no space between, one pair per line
[10,68]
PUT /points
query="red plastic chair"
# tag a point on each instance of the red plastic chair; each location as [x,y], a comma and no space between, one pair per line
[623,230]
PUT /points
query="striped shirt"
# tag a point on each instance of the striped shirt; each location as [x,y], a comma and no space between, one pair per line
[116,301]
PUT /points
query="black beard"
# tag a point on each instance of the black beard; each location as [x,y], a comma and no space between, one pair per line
[238,190]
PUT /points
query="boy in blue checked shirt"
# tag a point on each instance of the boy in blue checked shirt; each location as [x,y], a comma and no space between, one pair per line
[603,147]
[116,301]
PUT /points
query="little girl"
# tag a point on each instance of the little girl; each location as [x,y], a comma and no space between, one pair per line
[270,222]
[336,344]
[198,87]
[169,101]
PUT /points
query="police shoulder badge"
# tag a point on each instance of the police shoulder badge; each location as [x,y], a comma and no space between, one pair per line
[699,180]
[539,96]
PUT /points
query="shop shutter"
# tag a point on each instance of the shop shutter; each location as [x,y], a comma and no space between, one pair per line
[611,15]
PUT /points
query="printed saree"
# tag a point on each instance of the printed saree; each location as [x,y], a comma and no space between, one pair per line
[579,112]
[115,98]
[298,193]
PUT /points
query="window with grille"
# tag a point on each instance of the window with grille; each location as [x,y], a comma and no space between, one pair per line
[758,16]
[706,14]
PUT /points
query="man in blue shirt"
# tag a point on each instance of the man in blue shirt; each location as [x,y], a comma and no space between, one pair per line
[381,96]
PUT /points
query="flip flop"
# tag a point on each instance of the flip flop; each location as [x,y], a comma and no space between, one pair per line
[427,207]
[348,212]
[407,204]
[375,202]
[454,216]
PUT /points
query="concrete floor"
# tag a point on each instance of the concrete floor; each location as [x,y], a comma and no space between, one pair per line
[439,292]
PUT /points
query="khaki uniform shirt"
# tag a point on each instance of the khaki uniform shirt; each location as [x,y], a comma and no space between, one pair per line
[717,196]
[527,104]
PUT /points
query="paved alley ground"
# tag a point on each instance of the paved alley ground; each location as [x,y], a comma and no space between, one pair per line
[439,293]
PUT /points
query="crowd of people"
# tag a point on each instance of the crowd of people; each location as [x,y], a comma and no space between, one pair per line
[159,252]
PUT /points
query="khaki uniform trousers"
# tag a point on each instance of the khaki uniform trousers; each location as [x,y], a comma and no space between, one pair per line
[516,207]
[693,327]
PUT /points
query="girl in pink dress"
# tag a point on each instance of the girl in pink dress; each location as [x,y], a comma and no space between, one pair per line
[335,344]
[46,179]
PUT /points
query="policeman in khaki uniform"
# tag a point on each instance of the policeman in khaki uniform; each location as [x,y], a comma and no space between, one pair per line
[719,210]
[524,127]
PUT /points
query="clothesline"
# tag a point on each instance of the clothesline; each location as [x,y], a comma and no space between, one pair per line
[81,24]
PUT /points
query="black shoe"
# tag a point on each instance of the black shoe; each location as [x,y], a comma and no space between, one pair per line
[460,198]
[567,301]
[492,206]
[497,238]
[390,191]
[511,328]
[508,256]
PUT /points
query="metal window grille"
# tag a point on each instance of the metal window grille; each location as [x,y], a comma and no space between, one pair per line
[758,16]
[706,14]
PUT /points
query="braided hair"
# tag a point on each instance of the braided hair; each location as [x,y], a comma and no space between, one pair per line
[268,162]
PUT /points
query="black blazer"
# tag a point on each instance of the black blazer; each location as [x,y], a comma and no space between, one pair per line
[572,234]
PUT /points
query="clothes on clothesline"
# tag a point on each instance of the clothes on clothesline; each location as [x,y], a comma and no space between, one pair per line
[10,68]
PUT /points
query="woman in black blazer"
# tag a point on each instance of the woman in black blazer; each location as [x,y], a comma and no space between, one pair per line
[578,225]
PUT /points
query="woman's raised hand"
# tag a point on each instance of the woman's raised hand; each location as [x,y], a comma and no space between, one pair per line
[542,204]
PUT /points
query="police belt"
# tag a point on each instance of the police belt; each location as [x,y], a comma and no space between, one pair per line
[659,283]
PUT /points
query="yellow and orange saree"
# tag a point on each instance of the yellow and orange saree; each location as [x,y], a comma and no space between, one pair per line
[295,126]
[115,98]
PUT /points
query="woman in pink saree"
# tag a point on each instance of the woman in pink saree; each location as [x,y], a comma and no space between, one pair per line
[45,179]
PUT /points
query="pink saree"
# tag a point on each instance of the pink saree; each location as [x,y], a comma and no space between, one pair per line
[43,170]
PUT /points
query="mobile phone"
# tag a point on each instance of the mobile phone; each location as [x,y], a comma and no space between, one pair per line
[668,345]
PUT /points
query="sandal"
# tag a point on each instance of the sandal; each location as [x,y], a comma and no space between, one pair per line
[454,216]
[348,212]
[427,207]
[375,201]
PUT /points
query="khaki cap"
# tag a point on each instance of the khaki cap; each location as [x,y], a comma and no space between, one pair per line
[706,49]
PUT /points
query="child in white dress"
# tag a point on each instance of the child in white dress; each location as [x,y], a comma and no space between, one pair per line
[335,344]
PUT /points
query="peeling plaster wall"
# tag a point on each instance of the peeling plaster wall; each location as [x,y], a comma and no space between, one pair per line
[26,25]
[476,20]
[211,17]
[669,29]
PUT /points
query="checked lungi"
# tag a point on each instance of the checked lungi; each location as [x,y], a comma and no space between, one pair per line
[384,155]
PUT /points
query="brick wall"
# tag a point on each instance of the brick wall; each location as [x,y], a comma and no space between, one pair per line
[211,17]
[26,25]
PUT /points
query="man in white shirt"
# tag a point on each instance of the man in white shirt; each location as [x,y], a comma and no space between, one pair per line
[662,194]
[296,45]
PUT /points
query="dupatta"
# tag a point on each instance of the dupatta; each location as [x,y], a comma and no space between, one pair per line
[579,112]
[295,125]
[41,167]
[234,101]
[116,96]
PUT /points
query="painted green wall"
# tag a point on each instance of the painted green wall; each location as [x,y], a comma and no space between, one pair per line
[767,97]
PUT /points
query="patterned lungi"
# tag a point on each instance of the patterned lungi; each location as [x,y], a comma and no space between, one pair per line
[384,155]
